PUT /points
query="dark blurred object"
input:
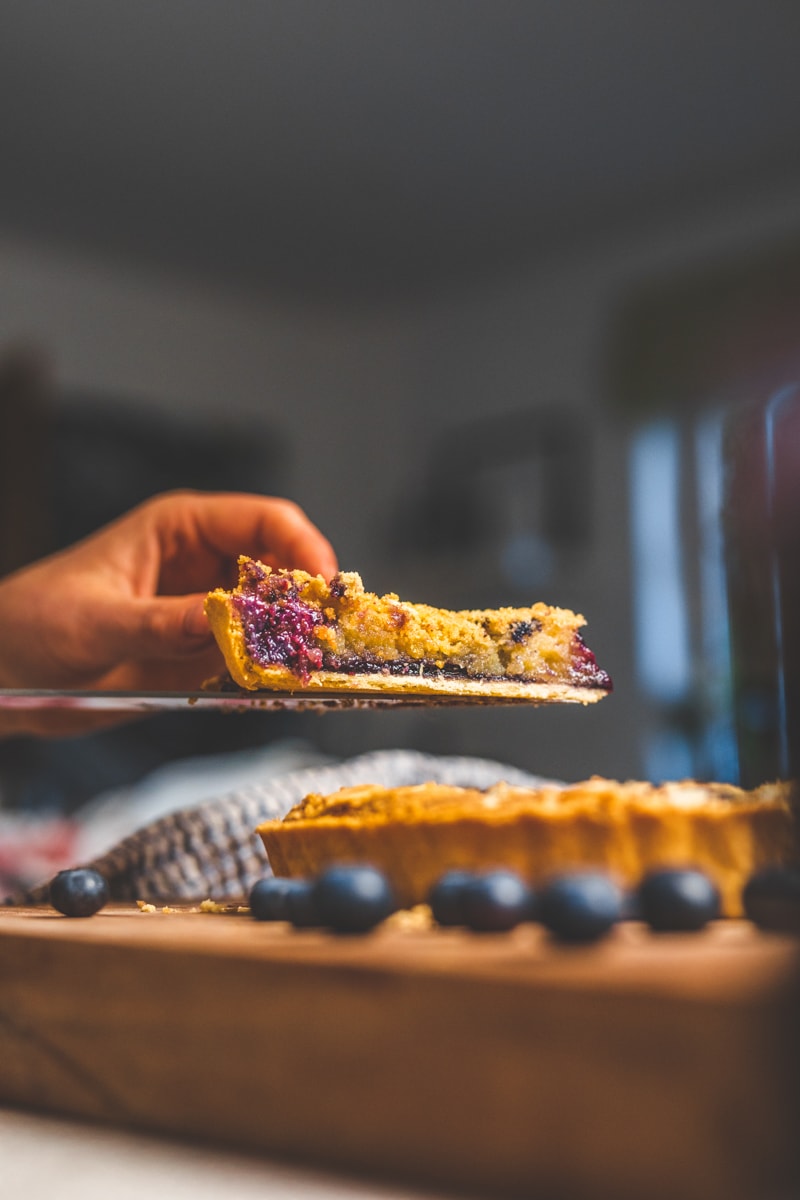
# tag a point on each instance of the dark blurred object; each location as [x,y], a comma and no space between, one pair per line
[26,399]
[93,458]
[507,498]
[713,331]
[762,543]
[456,510]
[698,364]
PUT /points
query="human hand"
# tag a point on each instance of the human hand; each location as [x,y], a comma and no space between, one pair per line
[123,609]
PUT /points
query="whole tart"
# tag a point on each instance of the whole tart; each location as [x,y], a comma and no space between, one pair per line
[287,630]
[416,833]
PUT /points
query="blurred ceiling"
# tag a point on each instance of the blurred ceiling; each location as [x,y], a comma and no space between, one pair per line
[365,147]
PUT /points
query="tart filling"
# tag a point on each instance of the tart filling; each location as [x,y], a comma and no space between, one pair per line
[287,629]
[417,833]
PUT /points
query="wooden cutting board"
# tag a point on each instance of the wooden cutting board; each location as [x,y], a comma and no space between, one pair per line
[648,1065]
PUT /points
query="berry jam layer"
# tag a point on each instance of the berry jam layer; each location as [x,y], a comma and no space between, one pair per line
[582,671]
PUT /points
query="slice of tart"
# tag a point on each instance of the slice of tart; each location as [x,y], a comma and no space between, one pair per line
[286,630]
[417,833]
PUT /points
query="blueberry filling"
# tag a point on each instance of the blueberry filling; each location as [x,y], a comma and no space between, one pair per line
[370,664]
[367,664]
[583,668]
[281,632]
[521,630]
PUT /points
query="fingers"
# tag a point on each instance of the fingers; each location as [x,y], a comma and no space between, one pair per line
[230,524]
[164,627]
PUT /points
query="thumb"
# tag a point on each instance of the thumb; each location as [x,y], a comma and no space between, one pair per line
[162,627]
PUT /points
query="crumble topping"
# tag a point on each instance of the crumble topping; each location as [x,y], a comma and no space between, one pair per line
[599,796]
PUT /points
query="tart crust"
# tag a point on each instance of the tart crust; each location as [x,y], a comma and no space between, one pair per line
[417,833]
[352,640]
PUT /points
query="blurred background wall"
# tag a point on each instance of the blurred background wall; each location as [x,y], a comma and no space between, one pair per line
[392,260]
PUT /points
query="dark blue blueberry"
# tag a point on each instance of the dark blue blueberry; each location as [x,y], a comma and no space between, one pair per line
[678,901]
[301,904]
[496,901]
[580,907]
[446,897]
[353,899]
[521,630]
[268,898]
[79,892]
[771,899]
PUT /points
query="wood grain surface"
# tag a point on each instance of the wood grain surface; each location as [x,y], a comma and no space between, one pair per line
[657,1065]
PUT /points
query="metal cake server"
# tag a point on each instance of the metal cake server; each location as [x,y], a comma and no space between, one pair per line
[238,701]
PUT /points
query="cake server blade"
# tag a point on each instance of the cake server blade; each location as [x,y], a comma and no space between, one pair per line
[18,699]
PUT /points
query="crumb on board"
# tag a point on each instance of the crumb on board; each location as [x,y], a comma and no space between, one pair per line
[206,906]
[418,917]
[216,906]
[404,920]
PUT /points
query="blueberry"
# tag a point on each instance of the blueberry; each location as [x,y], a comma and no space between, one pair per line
[353,899]
[446,897]
[496,901]
[79,892]
[771,899]
[580,907]
[673,901]
[301,904]
[268,898]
